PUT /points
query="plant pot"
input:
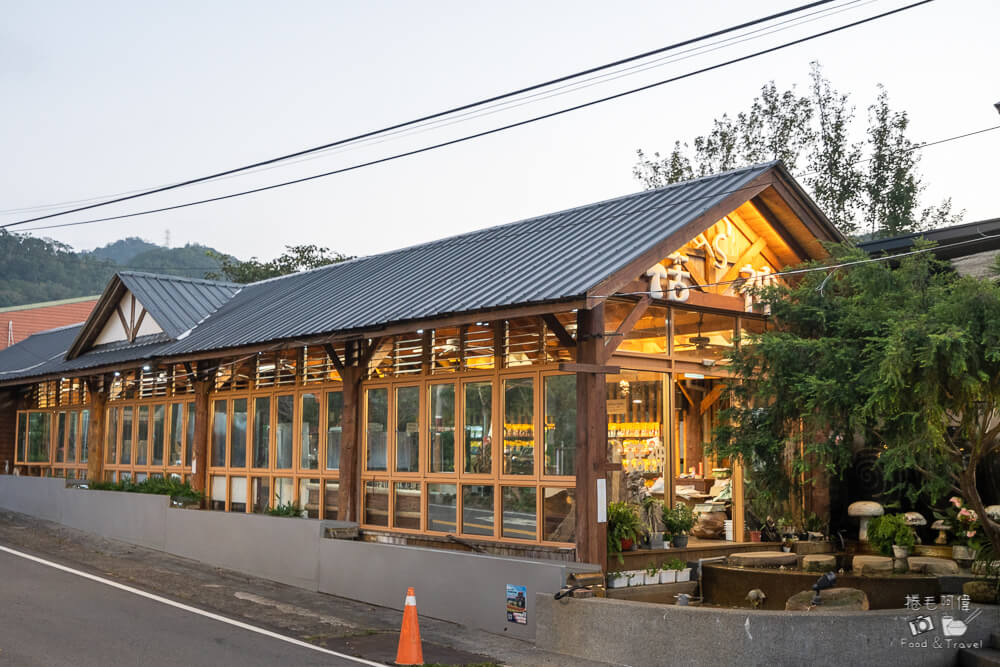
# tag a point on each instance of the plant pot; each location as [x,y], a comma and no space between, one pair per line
[650,579]
[901,552]
[656,540]
[668,576]
[755,536]
[962,553]
[679,541]
[621,581]
[626,544]
[634,577]
[684,575]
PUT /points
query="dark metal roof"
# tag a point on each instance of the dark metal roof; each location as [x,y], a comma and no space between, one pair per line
[37,351]
[954,241]
[546,259]
[177,304]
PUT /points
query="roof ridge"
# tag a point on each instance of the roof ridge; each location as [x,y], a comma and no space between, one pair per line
[513,223]
[173,278]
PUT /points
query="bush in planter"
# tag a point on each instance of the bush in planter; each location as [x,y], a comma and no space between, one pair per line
[679,571]
[890,530]
[678,521]
[179,492]
[623,526]
[288,509]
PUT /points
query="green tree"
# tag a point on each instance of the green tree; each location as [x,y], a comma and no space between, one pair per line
[870,187]
[295,258]
[905,359]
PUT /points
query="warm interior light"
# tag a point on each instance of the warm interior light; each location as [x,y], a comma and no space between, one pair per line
[694,376]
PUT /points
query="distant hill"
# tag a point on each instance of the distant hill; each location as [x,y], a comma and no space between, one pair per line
[33,269]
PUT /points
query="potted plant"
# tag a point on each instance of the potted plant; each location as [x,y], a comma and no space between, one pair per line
[618,579]
[635,577]
[967,530]
[677,522]
[683,571]
[651,575]
[623,528]
[652,513]
[891,536]
[668,574]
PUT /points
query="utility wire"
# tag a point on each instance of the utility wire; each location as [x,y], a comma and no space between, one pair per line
[439,114]
[478,134]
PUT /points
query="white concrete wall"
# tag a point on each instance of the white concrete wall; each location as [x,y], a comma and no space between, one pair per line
[450,585]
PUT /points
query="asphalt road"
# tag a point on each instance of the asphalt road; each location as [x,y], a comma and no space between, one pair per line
[50,618]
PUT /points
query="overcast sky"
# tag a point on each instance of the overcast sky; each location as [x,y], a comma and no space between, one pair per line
[105,97]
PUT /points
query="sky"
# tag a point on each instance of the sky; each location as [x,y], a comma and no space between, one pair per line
[107,97]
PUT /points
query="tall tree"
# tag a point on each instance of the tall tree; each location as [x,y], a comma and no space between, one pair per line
[905,359]
[295,258]
[870,187]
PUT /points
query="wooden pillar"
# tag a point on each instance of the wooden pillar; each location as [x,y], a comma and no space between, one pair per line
[96,431]
[199,460]
[349,493]
[591,437]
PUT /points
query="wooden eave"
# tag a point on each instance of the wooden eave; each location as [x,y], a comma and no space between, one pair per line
[105,308]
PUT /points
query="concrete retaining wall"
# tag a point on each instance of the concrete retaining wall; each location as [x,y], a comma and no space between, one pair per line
[639,633]
[461,587]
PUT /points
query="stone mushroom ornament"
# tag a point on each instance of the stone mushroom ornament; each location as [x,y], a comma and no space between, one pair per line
[993,512]
[915,520]
[864,510]
[942,527]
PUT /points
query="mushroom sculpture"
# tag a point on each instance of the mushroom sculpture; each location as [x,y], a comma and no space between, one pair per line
[915,520]
[942,527]
[993,512]
[864,510]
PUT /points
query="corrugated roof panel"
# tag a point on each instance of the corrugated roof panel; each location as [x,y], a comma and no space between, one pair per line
[177,304]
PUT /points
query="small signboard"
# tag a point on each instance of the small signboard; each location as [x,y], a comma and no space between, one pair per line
[616,406]
[517,604]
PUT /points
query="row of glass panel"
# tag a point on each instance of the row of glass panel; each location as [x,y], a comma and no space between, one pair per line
[436,507]
[47,437]
[395,420]
[316,498]
[150,435]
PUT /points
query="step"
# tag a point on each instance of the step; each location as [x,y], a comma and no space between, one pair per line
[978,657]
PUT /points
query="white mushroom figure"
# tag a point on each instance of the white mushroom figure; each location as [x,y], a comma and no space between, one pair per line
[914,520]
[864,510]
[942,527]
[993,512]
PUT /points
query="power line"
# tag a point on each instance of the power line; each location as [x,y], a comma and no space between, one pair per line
[439,114]
[478,134]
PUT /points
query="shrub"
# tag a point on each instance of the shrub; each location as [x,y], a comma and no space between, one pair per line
[165,486]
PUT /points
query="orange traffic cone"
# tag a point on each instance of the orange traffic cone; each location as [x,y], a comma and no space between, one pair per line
[411,651]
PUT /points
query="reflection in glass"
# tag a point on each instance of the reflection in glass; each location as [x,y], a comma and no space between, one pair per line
[406,512]
[442,507]
[238,494]
[377,503]
[309,497]
[376,429]
[142,436]
[558,517]
[39,424]
[408,429]
[71,437]
[260,488]
[158,434]
[284,490]
[111,437]
[126,454]
[84,436]
[519,517]
[238,435]
[479,427]
[560,424]
[334,428]
[22,435]
[310,434]
[189,454]
[284,432]
[217,497]
[477,509]
[176,434]
[331,498]
[261,431]
[442,428]
[60,437]
[219,435]
[519,426]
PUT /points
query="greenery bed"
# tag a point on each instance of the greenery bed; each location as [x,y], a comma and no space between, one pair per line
[178,491]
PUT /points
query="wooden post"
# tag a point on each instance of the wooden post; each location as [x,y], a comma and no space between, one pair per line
[199,461]
[591,437]
[95,432]
[349,493]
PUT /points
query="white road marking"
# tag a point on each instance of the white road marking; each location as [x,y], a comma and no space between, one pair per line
[193,610]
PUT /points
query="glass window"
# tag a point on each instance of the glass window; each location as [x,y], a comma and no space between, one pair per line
[332,498]
[560,424]
[71,427]
[142,436]
[261,431]
[60,437]
[284,490]
[189,453]
[39,424]
[442,428]
[519,516]
[176,434]
[261,490]
[648,336]
[310,434]
[158,434]
[408,429]
[334,428]
[237,494]
[406,509]
[139,477]
[479,427]
[558,517]
[442,507]
[376,429]
[477,509]
[377,503]
[238,435]
[219,435]
[283,435]
[519,426]
[700,336]
[22,436]
[84,435]
[309,490]
[217,497]
[126,454]
[111,437]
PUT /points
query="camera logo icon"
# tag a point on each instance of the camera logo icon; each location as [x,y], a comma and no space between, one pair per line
[920,625]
